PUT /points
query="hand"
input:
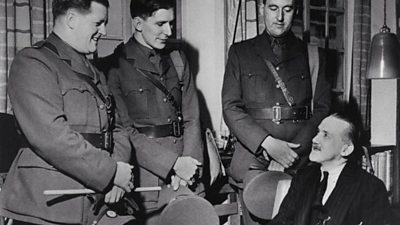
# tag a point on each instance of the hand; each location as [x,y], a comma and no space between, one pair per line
[114,195]
[123,177]
[281,151]
[177,181]
[186,167]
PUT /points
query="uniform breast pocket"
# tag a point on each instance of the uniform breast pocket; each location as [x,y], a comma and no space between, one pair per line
[299,83]
[254,85]
[79,102]
[137,97]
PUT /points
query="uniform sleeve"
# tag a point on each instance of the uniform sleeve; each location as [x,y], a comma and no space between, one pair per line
[192,142]
[322,106]
[38,106]
[241,124]
[149,154]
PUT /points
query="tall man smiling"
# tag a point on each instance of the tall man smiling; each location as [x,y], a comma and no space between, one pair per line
[61,105]
[268,100]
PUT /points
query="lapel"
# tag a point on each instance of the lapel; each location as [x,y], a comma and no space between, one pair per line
[75,60]
[136,57]
[343,194]
[311,183]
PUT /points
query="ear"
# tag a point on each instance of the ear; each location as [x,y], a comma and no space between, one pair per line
[347,150]
[137,23]
[71,19]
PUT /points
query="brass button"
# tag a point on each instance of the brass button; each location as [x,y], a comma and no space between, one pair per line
[169,120]
[140,89]
[174,141]
[102,107]
[164,99]
[277,86]
[161,78]
[277,68]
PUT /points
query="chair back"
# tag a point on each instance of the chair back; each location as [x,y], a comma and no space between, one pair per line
[264,192]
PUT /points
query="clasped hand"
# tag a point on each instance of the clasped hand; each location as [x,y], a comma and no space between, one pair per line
[124,176]
[186,168]
[281,151]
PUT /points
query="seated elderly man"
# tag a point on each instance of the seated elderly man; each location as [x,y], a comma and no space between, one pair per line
[334,189]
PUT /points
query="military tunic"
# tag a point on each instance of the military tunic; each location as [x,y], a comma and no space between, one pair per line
[142,104]
[53,106]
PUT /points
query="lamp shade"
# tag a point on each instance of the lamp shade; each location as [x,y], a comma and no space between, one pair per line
[384,57]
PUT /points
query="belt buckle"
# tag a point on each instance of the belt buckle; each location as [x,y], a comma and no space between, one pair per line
[277,114]
[108,140]
[176,128]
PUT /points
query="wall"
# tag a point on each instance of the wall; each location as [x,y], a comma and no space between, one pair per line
[203,29]
[384,92]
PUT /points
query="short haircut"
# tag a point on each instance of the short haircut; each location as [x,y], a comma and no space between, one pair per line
[349,113]
[146,8]
[296,3]
[60,7]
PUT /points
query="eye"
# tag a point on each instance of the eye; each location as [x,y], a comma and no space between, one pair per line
[273,7]
[288,9]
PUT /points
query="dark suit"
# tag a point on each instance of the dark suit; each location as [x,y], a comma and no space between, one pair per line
[53,105]
[357,197]
[248,83]
[142,104]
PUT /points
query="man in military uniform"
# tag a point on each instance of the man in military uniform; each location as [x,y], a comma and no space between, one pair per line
[61,105]
[159,102]
[268,100]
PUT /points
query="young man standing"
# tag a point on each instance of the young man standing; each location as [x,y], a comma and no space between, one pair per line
[268,98]
[158,102]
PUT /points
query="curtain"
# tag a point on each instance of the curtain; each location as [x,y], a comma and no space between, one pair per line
[360,87]
[22,23]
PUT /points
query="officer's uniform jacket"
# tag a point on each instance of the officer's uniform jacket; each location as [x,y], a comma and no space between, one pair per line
[53,106]
[142,104]
[248,83]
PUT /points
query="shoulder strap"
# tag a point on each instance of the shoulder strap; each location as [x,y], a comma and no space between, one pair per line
[160,86]
[178,63]
[313,61]
[108,100]
[288,97]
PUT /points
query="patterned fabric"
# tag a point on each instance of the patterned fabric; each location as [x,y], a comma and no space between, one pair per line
[361,42]
[22,23]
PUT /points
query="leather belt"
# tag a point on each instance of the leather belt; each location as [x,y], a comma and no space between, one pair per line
[174,129]
[103,140]
[278,113]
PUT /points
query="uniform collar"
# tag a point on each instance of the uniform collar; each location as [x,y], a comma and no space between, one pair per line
[69,55]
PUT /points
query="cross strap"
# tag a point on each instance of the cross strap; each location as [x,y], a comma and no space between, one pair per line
[160,86]
[288,97]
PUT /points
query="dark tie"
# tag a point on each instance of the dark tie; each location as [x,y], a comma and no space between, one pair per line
[155,59]
[321,189]
[318,212]
[276,48]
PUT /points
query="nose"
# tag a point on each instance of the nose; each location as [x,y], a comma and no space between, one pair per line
[167,29]
[102,29]
[280,15]
[315,139]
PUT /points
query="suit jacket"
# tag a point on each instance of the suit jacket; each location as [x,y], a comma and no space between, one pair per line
[248,83]
[53,106]
[357,197]
[142,104]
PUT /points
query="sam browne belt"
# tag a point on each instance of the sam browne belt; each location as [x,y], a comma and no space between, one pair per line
[279,113]
[174,129]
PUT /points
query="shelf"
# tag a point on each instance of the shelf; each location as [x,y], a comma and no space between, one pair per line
[373,149]
[331,9]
